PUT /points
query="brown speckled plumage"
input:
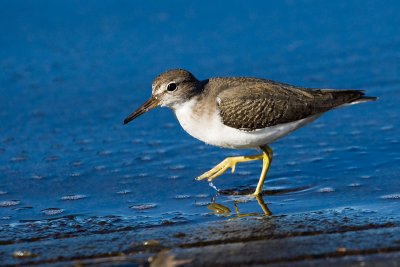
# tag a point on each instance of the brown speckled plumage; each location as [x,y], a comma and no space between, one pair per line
[250,104]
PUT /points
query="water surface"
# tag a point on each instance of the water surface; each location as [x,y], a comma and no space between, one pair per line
[71,72]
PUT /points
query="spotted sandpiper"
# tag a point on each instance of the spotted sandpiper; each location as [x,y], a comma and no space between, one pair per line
[239,112]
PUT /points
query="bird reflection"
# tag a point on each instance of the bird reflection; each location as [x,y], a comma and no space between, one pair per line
[220,209]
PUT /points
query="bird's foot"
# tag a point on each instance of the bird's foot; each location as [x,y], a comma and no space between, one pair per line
[227,163]
[219,169]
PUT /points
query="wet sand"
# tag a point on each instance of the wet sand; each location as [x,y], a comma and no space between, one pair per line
[334,237]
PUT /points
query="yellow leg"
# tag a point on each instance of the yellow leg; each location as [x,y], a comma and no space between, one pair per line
[227,163]
[267,159]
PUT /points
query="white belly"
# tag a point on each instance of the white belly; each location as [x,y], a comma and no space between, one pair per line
[211,130]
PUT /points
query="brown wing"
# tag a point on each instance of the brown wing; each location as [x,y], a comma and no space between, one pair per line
[267,103]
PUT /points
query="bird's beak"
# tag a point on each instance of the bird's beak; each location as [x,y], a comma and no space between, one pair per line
[146,106]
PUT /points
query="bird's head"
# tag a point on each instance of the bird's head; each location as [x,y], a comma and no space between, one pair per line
[169,89]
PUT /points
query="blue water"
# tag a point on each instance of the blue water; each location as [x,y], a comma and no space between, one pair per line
[71,72]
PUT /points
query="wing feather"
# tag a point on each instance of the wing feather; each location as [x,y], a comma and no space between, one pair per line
[264,103]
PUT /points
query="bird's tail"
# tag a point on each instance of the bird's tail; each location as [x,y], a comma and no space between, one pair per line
[347,97]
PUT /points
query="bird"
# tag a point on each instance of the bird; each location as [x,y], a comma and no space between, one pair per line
[241,112]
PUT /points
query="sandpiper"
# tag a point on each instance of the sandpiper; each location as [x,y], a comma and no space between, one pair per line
[240,112]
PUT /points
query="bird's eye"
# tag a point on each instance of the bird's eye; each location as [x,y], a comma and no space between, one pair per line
[171,87]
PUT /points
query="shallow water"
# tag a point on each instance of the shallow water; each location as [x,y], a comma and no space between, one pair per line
[71,73]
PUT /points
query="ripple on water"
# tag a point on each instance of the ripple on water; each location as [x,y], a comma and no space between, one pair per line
[18,158]
[145,158]
[177,167]
[9,203]
[161,151]
[127,162]
[23,208]
[123,192]
[73,197]
[52,158]
[154,143]
[387,128]
[52,211]
[291,163]
[244,173]
[352,168]
[182,196]
[333,133]
[316,159]
[326,190]
[37,177]
[355,132]
[99,167]
[105,153]
[201,203]
[354,148]
[83,141]
[144,206]
[391,196]
[116,170]
[76,163]
[329,149]
[393,141]
[137,141]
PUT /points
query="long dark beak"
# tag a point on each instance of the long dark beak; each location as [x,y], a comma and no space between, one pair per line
[149,104]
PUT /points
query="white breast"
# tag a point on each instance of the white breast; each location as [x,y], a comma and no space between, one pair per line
[210,129]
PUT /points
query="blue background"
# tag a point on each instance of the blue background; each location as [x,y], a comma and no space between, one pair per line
[71,71]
